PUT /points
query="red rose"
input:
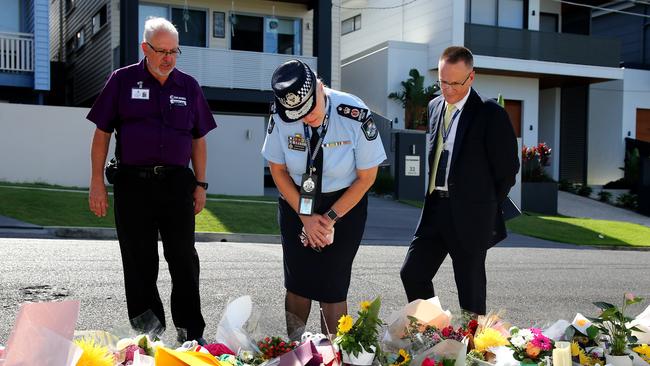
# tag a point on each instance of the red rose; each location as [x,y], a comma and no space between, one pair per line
[428,362]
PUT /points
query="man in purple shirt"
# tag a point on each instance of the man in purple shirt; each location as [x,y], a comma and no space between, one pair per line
[161,118]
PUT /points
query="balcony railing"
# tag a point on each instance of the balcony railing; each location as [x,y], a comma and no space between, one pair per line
[16,52]
[543,46]
[221,68]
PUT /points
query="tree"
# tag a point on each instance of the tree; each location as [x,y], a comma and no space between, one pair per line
[414,98]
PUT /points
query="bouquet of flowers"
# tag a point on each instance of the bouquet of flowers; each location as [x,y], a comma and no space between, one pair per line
[530,345]
[354,337]
[491,332]
[272,347]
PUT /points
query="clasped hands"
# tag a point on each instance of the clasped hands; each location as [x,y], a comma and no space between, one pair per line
[318,230]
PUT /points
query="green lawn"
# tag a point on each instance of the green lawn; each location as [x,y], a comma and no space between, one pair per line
[53,208]
[581,231]
[574,230]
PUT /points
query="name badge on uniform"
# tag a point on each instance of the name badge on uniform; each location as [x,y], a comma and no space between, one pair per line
[297,143]
[308,191]
[177,101]
[139,93]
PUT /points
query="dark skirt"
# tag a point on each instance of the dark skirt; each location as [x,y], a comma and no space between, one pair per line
[322,276]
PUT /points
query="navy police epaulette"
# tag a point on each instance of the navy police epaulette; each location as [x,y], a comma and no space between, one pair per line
[352,112]
[269,130]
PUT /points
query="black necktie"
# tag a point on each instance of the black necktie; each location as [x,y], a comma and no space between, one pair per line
[318,163]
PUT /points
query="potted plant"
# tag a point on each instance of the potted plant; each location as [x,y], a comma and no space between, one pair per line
[414,98]
[538,190]
[358,340]
[612,323]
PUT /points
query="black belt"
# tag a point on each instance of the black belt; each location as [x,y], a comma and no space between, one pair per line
[440,194]
[155,171]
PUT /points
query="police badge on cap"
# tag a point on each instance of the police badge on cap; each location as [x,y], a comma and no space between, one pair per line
[294,87]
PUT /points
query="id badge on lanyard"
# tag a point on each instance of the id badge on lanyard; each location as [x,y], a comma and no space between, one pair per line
[309,189]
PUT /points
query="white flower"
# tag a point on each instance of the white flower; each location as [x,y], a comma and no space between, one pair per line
[518,341]
[526,334]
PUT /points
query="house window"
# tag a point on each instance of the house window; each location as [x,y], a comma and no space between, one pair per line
[99,19]
[265,34]
[192,26]
[501,13]
[79,39]
[351,24]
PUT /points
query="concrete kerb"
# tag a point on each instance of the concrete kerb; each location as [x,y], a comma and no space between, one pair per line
[101,233]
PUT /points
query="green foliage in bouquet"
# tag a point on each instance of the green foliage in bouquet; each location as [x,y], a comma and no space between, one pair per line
[612,323]
[354,337]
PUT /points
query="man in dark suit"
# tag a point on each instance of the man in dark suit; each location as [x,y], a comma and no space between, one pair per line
[473,160]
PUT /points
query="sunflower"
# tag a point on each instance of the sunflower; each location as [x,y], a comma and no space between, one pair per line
[94,354]
[403,358]
[575,349]
[365,305]
[643,351]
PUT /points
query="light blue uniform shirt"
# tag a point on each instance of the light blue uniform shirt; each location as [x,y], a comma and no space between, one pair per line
[351,142]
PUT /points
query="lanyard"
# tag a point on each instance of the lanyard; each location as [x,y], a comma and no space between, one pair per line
[310,156]
[446,131]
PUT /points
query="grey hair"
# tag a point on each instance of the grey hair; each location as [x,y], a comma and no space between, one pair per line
[154,25]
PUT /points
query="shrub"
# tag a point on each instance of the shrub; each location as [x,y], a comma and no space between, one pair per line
[627,200]
[585,190]
[384,183]
[604,196]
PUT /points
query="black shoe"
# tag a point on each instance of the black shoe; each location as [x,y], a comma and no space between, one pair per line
[201,341]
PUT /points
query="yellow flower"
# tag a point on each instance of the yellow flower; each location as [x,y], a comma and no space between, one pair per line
[581,322]
[489,338]
[403,358]
[575,349]
[365,305]
[345,324]
[643,351]
[94,354]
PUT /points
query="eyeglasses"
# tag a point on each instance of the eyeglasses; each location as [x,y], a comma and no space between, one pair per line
[174,52]
[453,85]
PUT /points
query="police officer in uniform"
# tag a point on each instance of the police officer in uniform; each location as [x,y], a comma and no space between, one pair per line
[323,150]
[161,118]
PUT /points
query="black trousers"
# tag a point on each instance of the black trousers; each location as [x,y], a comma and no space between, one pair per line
[427,252]
[147,204]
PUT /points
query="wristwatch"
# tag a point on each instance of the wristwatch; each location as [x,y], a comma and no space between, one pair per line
[203,185]
[332,215]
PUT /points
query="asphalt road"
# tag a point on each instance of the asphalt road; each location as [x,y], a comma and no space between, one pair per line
[534,285]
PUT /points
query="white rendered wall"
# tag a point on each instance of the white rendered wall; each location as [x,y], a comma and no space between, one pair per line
[52,145]
[373,75]
[606,149]
[636,94]
[549,126]
[612,117]
[516,88]
[429,22]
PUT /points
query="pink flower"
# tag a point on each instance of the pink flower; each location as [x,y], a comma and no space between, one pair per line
[629,296]
[130,350]
[542,342]
[535,331]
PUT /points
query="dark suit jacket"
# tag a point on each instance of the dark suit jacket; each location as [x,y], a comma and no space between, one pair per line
[484,164]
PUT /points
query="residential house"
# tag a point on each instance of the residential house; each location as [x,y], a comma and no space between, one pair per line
[230,47]
[24,56]
[620,109]
[541,55]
